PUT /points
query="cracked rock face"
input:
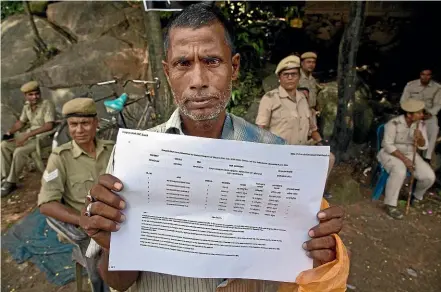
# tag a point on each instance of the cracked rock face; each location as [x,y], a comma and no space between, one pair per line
[96,40]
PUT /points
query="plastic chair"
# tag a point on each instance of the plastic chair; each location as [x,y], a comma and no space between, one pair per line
[383,175]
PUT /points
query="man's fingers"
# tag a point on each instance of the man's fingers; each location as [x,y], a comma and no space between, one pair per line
[106,211]
[322,255]
[97,222]
[330,213]
[110,182]
[102,194]
[327,228]
[326,242]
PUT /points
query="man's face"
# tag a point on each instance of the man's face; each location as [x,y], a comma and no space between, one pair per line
[425,76]
[32,97]
[308,65]
[289,79]
[416,116]
[200,71]
[82,129]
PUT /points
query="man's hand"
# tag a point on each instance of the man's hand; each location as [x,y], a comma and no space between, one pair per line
[105,210]
[418,135]
[21,141]
[408,163]
[321,247]
[427,115]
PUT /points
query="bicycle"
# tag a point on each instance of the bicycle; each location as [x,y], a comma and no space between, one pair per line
[115,105]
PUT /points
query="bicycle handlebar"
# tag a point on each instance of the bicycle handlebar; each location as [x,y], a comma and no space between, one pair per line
[157,82]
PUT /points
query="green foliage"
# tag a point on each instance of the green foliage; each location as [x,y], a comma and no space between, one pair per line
[10,8]
[244,92]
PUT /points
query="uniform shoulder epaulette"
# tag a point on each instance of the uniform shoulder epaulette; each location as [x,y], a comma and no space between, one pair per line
[272,93]
[61,148]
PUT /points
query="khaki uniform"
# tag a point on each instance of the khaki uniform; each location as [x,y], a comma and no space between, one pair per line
[431,96]
[286,117]
[14,158]
[71,172]
[398,136]
[312,85]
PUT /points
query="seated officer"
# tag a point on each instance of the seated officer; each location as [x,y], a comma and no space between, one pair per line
[40,116]
[396,155]
[74,167]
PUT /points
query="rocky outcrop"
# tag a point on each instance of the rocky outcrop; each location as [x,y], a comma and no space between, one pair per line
[109,41]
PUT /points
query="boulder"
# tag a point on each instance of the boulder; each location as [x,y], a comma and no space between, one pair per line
[18,41]
[104,50]
[363,113]
[86,20]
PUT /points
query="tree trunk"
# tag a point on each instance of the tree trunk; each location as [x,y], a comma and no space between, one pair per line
[163,102]
[38,40]
[342,133]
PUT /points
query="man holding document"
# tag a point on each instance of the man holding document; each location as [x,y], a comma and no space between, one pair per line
[200,65]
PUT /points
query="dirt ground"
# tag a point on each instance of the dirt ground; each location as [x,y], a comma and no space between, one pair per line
[387,255]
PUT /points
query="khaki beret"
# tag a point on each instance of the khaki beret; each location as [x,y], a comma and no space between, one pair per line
[308,55]
[412,105]
[289,62]
[30,86]
[79,107]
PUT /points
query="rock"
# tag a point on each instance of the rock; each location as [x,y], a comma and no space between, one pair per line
[363,113]
[104,50]
[351,287]
[412,272]
[86,20]
[18,41]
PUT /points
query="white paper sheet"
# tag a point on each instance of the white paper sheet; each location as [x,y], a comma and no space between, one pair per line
[211,208]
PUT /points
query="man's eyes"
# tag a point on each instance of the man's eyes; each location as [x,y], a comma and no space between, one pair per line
[212,62]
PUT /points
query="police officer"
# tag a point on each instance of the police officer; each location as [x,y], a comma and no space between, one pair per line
[285,111]
[40,116]
[73,168]
[309,61]
[396,155]
[428,91]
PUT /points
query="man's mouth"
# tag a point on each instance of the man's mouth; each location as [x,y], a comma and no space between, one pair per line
[199,103]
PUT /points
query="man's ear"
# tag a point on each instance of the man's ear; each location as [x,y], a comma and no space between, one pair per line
[236,66]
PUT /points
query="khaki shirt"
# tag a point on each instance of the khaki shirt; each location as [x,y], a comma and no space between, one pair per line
[312,85]
[71,172]
[399,136]
[44,113]
[287,118]
[430,95]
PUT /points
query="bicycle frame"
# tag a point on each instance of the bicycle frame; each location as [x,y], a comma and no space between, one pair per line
[117,120]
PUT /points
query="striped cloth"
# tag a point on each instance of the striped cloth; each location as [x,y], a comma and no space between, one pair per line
[234,128]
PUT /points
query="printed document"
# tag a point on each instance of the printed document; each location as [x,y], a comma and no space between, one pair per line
[212,208]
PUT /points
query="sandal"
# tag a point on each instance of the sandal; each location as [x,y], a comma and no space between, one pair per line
[394,213]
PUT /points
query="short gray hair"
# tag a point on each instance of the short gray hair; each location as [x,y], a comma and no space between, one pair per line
[197,16]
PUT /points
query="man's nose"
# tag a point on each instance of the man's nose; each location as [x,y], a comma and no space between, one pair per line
[198,78]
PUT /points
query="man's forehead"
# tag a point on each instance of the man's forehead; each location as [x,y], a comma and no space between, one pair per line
[210,36]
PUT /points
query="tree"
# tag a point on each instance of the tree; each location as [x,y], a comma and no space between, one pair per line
[163,102]
[342,133]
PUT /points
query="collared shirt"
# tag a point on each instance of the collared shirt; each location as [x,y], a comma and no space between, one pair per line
[310,83]
[43,113]
[71,172]
[287,117]
[429,94]
[399,136]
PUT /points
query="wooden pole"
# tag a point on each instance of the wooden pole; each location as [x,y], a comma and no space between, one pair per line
[412,177]
[163,103]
